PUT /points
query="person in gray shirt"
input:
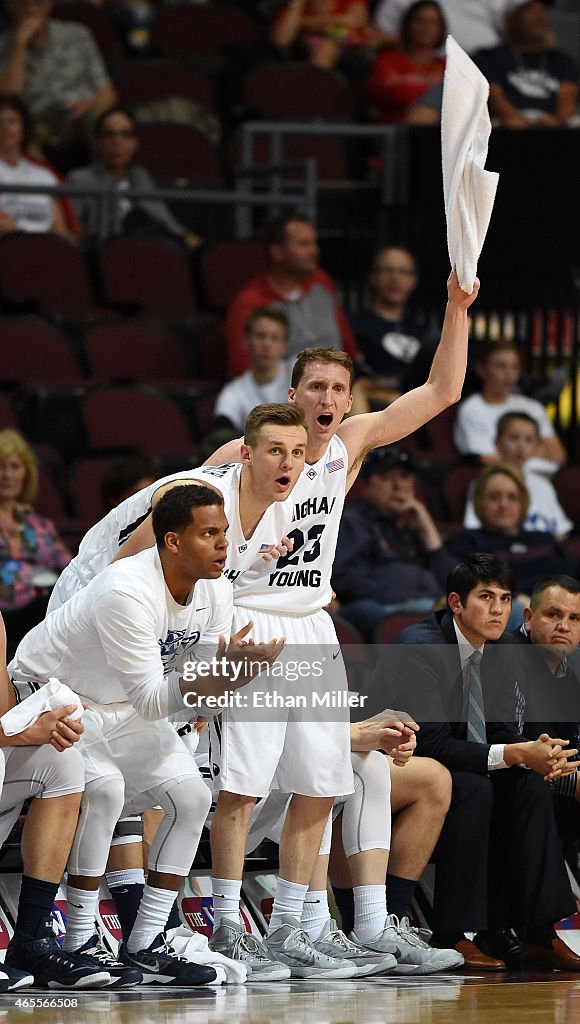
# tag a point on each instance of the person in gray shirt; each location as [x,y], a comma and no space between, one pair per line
[116,143]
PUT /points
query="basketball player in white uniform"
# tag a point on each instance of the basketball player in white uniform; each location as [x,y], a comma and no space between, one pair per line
[38,762]
[272,461]
[116,643]
[289,599]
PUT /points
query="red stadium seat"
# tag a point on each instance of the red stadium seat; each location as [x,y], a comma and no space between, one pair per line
[205,31]
[47,273]
[36,351]
[135,419]
[227,266]
[297,92]
[139,81]
[179,153]
[135,351]
[392,625]
[567,484]
[147,276]
[455,487]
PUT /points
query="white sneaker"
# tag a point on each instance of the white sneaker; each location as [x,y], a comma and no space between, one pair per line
[414,956]
[450,958]
[334,943]
[232,941]
[290,944]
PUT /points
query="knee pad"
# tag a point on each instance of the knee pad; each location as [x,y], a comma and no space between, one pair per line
[128,830]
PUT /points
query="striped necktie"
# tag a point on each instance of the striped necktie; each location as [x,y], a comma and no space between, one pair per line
[475,712]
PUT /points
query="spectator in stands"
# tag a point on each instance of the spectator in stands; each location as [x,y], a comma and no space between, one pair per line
[31,552]
[389,336]
[56,67]
[390,556]
[473,23]
[427,109]
[294,281]
[399,77]
[117,142]
[268,378]
[531,82]
[499,367]
[134,20]
[26,211]
[549,684]
[457,681]
[501,503]
[517,440]
[125,477]
[327,33]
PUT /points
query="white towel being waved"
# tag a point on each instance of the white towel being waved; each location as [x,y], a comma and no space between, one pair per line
[468,189]
[195,948]
[49,697]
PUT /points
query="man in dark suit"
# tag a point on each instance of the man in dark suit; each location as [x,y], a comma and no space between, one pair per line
[499,862]
[549,682]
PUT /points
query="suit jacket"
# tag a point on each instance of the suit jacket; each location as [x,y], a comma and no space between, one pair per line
[547,702]
[420,672]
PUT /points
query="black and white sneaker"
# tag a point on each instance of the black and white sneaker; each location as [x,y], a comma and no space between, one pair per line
[161,965]
[11,979]
[52,966]
[122,976]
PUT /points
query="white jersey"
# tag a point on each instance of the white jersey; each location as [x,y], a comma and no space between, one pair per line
[274,524]
[120,638]
[103,541]
[299,583]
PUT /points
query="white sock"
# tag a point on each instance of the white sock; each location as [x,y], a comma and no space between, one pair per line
[370,910]
[226,900]
[151,918]
[315,912]
[125,876]
[289,899]
[81,912]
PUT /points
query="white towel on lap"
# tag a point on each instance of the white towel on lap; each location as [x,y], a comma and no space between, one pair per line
[49,697]
[468,189]
[195,947]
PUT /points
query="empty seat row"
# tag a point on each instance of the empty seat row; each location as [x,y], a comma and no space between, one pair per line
[47,274]
[36,351]
[75,420]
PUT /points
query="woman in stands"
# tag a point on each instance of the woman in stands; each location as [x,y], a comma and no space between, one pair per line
[26,211]
[501,501]
[31,552]
[401,76]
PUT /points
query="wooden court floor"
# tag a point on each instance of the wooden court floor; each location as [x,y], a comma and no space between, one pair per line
[514,998]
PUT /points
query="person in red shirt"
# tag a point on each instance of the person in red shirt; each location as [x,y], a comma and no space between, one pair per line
[293,281]
[400,77]
[322,29]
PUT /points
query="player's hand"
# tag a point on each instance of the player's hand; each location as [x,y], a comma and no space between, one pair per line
[200,724]
[284,547]
[252,655]
[403,753]
[54,727]
[456,296]
[386,735]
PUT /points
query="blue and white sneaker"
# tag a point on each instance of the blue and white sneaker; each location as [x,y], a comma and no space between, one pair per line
[161,965]
[121,975]
[53,967]
[11,979]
